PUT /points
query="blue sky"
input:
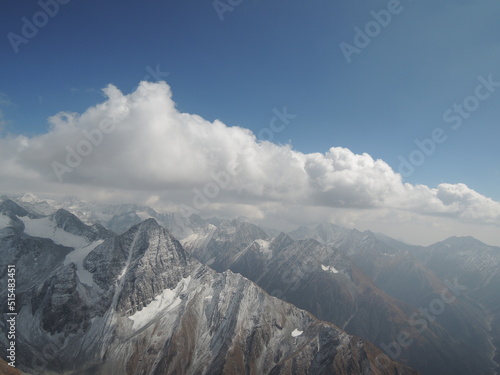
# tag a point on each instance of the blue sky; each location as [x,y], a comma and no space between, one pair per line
[265,55]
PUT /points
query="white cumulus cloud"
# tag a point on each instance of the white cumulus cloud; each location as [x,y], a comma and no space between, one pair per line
[139,147]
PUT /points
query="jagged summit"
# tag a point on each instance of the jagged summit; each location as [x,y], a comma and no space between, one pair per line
[64,219]
[146,225]
[146,259]
[462,241]
[70,223]
[138,303]
[281,240]
[30,198]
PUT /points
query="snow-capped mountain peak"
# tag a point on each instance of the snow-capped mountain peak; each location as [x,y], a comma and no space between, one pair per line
[30,198]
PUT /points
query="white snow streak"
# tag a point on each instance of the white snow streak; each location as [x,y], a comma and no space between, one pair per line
[46,228]
[77,256]
[264,246]
[329,268]
[164,302]
[4,221]
[30,198]
[121,277]
[296,332]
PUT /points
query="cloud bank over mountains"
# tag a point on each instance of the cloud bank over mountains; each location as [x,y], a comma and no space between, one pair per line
[140,148]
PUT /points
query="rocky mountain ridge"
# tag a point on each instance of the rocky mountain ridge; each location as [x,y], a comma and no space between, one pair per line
[137,303]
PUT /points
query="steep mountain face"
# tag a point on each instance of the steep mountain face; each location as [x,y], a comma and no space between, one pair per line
[222,245]
[58,220]
[137,303]
[40,244]
[401,270]
[125,216]
[71,224]
[325,282]
[364,248]
[115,217]
[10,208]
[324,233]
[418,276]
[36,205]
[475,266]
[468,260]
[369,284]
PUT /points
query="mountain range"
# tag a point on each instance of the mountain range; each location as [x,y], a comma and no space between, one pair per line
[125,289]
[94,302]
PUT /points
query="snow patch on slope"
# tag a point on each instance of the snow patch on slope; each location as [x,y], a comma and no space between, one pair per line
[198,239]
[45,228]
[296,332]
[30,198]
[164,302]
[77,256]
[329,268]
[264,246]
[4,221]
